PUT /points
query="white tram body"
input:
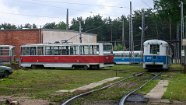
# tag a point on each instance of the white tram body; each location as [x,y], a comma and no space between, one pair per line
[97,55]
[157,54]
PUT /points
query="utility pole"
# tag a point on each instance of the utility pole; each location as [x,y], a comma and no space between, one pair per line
[131,42]
[182,30]
[177,51]
[142,29]
[183,36]
[123,33]
[129,33]
[67,24]
[80,35]
[111,33]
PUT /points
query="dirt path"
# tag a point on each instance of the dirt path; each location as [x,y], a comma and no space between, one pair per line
[91,85]
[157,92]
[9,100]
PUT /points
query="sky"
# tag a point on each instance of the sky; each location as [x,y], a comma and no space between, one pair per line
[40,12]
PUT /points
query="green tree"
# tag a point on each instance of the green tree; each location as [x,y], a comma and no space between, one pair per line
[94,25]
[75,23]
[50,25]
[28,25]
[169,12]
[8,26]
[61,25]
[119,47]
[34,26]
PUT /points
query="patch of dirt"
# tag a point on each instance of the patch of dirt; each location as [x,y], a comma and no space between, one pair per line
[126,85]
[103,102]
[25,100]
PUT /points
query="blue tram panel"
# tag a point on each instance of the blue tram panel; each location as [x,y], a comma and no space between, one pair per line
[155,59]
[127,57]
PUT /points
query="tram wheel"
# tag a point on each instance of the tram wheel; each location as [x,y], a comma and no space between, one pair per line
[33,66]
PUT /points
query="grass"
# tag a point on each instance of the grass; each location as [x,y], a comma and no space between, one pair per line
[176,67]
[176,89]
[148,87]
[41,83]
[177,82]
[38,82]
[113,93]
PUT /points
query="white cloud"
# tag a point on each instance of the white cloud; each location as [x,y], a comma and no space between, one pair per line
[30,12]
[14,15]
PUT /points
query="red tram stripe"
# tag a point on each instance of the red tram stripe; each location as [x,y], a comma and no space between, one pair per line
[68,59]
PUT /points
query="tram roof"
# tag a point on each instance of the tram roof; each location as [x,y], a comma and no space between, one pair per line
[65,44]
[127,52]
[7,46]
[155,41]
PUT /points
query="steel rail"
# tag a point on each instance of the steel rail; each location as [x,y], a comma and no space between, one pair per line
[123,99]
[105,87]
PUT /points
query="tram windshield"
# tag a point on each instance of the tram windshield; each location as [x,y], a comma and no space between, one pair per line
[154,49]
[107,49]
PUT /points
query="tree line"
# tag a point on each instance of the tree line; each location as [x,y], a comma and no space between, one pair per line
[161,22]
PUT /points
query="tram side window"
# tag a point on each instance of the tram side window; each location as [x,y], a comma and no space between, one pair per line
[137,55]
[130,54]
[48,50]
[55,50]
[40,51]
[118,55]
[25,50]
[4,51]
[32,50]
[66,51]
[81,50]
[84,50]
[73,50]
[154,49]
[13,51]
[126,55]
[107,49]
[94,49]
[63,50]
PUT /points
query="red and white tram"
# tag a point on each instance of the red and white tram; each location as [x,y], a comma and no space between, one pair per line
[81,55]
[6,53]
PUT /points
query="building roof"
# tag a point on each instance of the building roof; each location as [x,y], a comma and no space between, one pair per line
[67,31]
[46,30]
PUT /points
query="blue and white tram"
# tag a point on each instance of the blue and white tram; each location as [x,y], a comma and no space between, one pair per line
[157,54]
[127,57]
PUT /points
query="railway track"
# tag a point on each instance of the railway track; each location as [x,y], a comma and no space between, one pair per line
[67,102]
[123,99]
